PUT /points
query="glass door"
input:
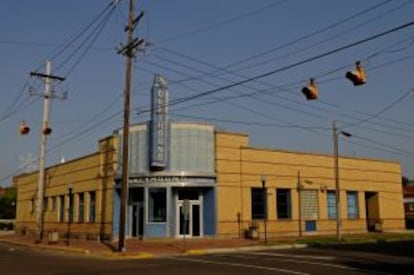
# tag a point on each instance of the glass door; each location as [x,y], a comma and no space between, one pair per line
[190,227]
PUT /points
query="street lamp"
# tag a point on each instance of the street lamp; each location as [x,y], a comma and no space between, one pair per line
[70,210]
[337,187]
[264,193]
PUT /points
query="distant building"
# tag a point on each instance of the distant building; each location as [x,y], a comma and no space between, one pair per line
[192,179]
[408,191]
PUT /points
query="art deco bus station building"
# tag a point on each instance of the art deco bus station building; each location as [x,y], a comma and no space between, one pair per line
[226,186]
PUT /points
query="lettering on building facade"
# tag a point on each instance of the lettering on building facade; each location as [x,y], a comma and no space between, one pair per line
[159,124]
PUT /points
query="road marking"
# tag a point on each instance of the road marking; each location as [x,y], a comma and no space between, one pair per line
[328,265]
[241,265]
[293,256]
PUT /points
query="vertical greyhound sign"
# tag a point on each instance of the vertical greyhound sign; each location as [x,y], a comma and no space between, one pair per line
[159,124]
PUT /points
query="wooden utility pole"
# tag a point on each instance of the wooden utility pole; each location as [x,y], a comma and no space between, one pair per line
[128,50]
[44,132]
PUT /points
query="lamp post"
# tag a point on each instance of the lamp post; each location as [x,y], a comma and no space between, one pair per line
[70,210]
[264,193]
[299,187]
[337,186]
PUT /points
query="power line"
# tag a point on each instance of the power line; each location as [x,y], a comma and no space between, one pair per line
[222,23]
[349,30]
[392,104]
[306,36]
[296,64]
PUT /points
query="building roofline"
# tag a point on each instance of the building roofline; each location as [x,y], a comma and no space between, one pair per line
[317,154]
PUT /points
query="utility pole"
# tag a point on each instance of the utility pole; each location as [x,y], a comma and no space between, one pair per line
[129,51]
[299,187]
[264,194]
[44,132]
[337,186]
[337,190]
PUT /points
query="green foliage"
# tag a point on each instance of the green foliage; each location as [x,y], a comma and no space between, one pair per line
[8,204]
[405,180]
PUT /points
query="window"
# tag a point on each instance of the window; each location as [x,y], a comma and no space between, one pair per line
[52,203]
[61,215]
[310,204]
[331,200]
[70,208]
[45,199]
[283,204]
[92,203]
[157,205]
[81,207]
[258,204]
[352,203]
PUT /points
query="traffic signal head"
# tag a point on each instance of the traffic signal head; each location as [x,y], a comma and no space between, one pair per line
[311,91]
[47,131]
[357,76]
[24,129]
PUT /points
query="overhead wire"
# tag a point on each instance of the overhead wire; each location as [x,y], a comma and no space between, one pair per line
[331,26]
[388,107]
[221,23]
[296,64]
[77,35]
[318,43]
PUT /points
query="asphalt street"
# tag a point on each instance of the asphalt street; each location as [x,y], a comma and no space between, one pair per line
[382,258]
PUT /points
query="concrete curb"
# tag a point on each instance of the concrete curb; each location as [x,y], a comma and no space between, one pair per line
[70,250]
[146,255]
[121,256]
[243,248]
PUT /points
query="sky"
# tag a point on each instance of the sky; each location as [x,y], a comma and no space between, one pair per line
[238,64]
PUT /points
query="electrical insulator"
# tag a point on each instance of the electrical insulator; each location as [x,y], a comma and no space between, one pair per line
[358,76]
[311,91]
[24,129]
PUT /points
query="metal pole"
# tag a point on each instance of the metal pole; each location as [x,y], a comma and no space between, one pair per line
[70,211]
[337,186]
[265,207]
[300,204]
[42,156]
[125,148]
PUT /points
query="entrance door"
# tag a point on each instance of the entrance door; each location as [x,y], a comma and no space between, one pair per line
[372,210]
[137,220]
[192,226]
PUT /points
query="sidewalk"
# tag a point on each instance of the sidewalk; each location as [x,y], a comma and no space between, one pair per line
[142,249]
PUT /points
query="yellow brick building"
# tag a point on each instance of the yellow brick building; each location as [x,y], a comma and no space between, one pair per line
[81,188]
[82,195]
[370,191]
[190,179]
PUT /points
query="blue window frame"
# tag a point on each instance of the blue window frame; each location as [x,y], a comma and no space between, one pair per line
[331,204]
[157,205]
[352,203]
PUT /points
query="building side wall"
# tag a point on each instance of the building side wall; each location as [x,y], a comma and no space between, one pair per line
[86,175]
[240,168]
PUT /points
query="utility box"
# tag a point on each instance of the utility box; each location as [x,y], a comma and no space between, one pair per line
[253,231]
[53,237]
[378,226]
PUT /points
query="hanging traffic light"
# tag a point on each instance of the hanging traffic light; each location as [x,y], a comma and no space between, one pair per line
[24,129]
[47,130]
[311,91]
[357,76]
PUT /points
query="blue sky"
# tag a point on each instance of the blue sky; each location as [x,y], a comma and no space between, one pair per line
[202,46]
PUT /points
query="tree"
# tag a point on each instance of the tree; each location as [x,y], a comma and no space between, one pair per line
[405,181]
[8,204]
